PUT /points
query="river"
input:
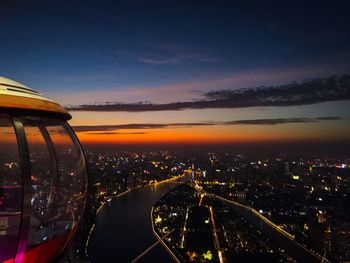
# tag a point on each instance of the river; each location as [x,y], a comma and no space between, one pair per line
[123,228]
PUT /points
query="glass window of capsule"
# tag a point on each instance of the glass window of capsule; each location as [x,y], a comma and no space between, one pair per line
[43,182]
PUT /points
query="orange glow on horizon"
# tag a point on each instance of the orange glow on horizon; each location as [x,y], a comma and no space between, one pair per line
[220,129]
[210,135]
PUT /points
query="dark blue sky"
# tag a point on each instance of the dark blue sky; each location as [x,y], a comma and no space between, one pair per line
[197,53]
[109,44]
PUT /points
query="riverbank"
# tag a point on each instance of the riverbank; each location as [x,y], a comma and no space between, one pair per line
[124,225]
[161,240]
[154,183]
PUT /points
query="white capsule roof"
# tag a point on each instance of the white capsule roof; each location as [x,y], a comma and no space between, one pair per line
[18,96]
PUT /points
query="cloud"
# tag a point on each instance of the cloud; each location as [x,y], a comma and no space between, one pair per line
[107,129]
[159,61]
[160,54]
[307,92]
[281,121]
[187,90]
[118,127]
[177,58]
[113,133]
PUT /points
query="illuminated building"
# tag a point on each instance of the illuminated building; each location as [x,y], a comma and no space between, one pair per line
[43,177]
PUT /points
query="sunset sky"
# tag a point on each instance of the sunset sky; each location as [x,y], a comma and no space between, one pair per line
[186,71]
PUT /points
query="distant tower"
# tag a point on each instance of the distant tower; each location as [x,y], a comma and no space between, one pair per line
[287,170]
[192,171]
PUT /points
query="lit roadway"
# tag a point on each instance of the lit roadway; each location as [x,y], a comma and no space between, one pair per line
[123,229]
[274,232]
[216,239]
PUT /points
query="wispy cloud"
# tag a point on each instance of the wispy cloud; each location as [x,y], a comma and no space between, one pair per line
[189,89]
[307,92]
[176,58]
[159,61]
[281,121]
[161,54]
[107,129]
[115,133]
[131,126]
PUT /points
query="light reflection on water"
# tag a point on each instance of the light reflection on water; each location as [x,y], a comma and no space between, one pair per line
[123,229]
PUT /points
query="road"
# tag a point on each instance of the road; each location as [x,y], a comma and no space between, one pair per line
[275,233]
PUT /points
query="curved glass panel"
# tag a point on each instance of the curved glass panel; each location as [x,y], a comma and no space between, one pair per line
[72,175]
[41,166]
[10,189]
[58,175]
[42,163]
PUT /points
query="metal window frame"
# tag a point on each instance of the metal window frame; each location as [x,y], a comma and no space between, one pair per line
[26,186]
[40,123]
[53,160]
[76,141]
